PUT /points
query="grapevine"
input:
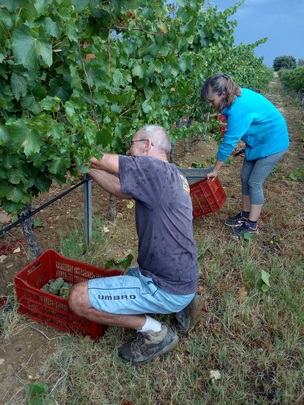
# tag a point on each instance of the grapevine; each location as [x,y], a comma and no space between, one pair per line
[78,78]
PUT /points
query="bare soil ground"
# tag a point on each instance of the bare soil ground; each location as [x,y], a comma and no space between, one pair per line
[24,351]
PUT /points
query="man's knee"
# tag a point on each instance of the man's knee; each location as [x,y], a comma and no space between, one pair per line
[78,298]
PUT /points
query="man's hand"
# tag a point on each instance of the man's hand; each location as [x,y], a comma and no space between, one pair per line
[95,163]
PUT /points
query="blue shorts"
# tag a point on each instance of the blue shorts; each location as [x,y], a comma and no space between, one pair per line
[133,294]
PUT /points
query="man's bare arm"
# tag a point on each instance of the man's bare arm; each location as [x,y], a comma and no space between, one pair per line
[108,182]
[109,163]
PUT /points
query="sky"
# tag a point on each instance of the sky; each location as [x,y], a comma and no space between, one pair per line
[282,21]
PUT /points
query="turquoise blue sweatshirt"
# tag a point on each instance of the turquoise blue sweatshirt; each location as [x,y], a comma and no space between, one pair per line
[256,121]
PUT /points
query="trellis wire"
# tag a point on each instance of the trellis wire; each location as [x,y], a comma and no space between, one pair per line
[87,209]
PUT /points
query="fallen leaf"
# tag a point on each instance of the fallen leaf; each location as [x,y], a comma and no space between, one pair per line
[2,258]
[215,375]
[8,248]
[243,294]
[37,223]
[90,56]
[5,218]
[33,377]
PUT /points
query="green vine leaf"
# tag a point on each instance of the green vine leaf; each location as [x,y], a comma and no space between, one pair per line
[23,45]
[122,263]
[37,393]
[44,48]
[32,143]
[264,283]
[19,86]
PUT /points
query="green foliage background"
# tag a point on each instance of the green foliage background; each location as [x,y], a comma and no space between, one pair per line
[78,77]
[293,78]
[284,62]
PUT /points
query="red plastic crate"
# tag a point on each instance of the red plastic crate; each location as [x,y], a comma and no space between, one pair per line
[50,309]
[222,118]
[207,196]
[3,301]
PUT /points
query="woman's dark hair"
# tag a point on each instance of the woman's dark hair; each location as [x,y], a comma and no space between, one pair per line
[219,83]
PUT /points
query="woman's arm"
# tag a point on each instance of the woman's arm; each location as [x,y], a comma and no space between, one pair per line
[214,172]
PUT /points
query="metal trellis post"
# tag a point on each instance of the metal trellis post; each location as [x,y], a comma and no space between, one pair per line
[88,209]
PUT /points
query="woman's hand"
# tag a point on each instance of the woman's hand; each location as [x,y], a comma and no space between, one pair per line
[213,174]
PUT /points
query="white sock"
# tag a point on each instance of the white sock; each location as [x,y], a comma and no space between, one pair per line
[151,324]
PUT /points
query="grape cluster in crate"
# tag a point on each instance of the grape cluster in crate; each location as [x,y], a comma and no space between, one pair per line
[57,287]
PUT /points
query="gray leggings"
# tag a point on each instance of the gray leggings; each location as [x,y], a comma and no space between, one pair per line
[254,173]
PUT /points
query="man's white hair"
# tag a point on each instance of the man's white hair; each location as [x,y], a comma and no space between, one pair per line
[158,136]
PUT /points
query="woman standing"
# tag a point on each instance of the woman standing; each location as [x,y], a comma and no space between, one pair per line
[259,124]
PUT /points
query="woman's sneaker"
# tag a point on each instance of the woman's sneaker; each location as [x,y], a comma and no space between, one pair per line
[246,227]
[149,345]
[237,220]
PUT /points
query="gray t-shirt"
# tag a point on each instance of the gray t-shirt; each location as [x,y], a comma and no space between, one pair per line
[166,248]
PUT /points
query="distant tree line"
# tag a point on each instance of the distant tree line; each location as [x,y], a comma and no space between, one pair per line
[291,75]
[286,62]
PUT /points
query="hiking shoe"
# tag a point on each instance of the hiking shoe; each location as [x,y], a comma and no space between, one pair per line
[237,220]
[246,227]
[190,316]
[149,345]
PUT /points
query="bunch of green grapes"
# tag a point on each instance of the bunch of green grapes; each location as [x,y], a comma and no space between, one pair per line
[58,287]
